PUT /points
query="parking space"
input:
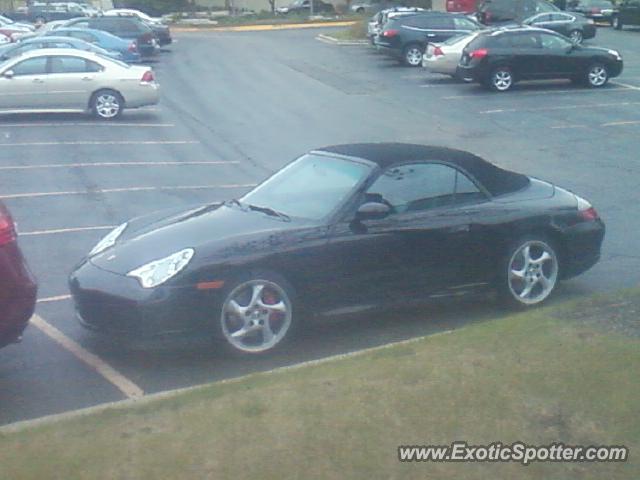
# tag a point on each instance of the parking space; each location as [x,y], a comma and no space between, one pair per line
[237,106]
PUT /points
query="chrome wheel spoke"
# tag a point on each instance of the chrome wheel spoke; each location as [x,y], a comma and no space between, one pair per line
[526,291]
[255,295]
[237,309]
[541,259]
[544,281]
[533,272]
[519,274]
[267,333]
[279,307]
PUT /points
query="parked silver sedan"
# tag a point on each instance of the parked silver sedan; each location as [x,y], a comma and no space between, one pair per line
[66,80]
[444,57]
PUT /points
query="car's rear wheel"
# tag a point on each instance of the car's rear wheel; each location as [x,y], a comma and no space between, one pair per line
[576,37]
[501,79]
[616,23]
[257,314]
[597,75]
[413,55]
[530,272]
[107,104]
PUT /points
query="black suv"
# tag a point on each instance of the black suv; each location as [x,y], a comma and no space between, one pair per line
[406,37]
[495,12]
[627,13]
[499,58]
[128,28]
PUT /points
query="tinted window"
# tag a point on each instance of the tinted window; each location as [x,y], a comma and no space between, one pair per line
[20,50]
[87,37]
[542,18]
[33,66]
[415,187]
[466,190]
[525,40]
[68,65]
[440,23]
[81,24]
[464,24]
[553,42]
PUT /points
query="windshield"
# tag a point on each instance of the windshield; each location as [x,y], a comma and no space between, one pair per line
[312,187]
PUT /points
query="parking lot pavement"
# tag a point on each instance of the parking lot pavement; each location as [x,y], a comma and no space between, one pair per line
[237,106]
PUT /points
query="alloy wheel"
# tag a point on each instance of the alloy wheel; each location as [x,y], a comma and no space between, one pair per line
[414,56]
[502,80]
[533,272]
[576,37]
[256,316]
[597,75]
[107,105]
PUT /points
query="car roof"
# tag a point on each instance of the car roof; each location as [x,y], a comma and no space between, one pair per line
[41,52]
[495,180]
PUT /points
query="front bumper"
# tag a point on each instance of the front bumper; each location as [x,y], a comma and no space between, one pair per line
[117,306]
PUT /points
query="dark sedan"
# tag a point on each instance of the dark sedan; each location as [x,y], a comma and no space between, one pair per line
[17,286]
[572,25]
[406,37]
[499,58]
[336,230]
[598,10]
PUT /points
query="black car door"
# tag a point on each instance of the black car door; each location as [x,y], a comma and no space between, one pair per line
[528,59]
[420,248]
[559,58]
[630,12]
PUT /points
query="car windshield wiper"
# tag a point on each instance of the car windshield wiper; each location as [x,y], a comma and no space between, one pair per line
[270,211]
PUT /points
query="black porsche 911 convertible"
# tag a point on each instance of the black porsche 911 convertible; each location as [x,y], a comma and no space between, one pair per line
[338,228]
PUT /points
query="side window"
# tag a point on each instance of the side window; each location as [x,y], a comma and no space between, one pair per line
[32,66]
[464,24]
[525,40]
[415,187]
[440,23]
[93,66]
[68,65]
[466,190]
[553,42]
[81,24]
[546,17]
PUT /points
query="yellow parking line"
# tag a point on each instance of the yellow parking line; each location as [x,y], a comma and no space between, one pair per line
[113,164]
[110,142]
[122,383]
[65,230]
[119,190]
[57,298]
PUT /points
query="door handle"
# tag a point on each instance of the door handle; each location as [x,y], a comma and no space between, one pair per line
[38,80]
[459,229]
[431,35]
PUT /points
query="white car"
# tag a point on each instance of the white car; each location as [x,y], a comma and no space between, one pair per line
[130,12]
[444,57]
[68,80]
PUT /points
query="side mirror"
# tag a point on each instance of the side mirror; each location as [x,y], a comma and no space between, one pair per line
[8,74]
[372,211]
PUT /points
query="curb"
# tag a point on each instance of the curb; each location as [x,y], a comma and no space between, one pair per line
[259,28]
[334,41]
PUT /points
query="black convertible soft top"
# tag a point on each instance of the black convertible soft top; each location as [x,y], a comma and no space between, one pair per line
[496,180]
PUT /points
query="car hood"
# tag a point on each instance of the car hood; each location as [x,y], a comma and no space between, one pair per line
[207,229]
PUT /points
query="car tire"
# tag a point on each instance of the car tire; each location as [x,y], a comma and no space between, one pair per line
[576,37]
[616,23]
[257,314]
[597,75]
[529,271]
[412,55]
[107,104]
[501,79]
[360,10]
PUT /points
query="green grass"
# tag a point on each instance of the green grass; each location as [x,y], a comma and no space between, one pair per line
[552,375]
[357,31]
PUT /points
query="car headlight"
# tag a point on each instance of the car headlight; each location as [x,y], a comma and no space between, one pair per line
[616,54]
[108,241]
[159,271]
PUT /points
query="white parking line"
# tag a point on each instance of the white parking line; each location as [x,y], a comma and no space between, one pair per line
[568,126]
[622,88]
[113,164]
[626,85]
[127,189]
[559,107]
[122,383]
[66,230]
[616,124]
[109,142]
[88,124]
[57,298]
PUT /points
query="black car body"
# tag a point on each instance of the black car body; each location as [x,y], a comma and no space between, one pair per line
[626,13]
[162,32]
[47,12]
[598,10]
[534,54]
[406,36]
[572,25]
[339,228]
[128,28]
[496,12]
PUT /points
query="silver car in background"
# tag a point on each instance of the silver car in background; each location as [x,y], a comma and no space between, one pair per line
[444,57]
[67,80]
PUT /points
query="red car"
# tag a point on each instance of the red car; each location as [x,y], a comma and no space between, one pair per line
[461,6]
[18,287]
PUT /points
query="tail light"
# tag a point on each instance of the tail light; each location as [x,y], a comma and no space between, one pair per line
[7,227]
[480,53]
[147,38]
[437,52]
[586,210]
[390,33]
[133,48]
[148,77]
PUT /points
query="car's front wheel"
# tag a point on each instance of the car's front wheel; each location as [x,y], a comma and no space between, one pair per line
[530,272]
[257,314]
[576,37]
[413,55]
[501,79]
[107,104]
[597,75]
